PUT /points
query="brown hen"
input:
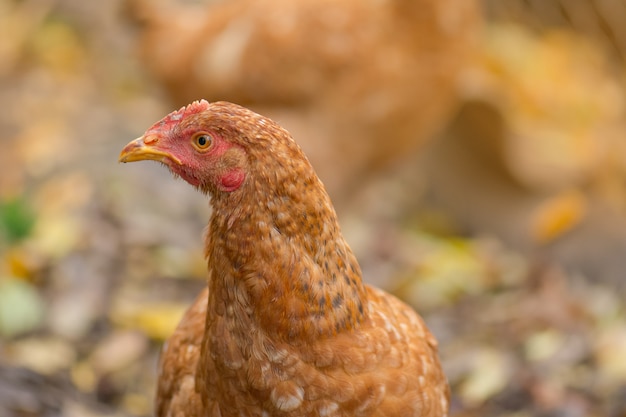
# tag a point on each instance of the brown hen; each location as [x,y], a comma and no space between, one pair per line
[286,326]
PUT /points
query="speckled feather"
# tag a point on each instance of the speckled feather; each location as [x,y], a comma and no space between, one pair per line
[287,327]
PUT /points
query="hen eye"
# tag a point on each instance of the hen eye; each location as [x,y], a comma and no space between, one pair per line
[202,141]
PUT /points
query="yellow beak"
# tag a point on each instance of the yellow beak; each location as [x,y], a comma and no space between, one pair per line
[139,150]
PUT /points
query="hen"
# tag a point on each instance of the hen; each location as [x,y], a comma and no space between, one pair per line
[286,326]
[341,75]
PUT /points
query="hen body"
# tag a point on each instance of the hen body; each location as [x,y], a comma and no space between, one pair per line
[286,326]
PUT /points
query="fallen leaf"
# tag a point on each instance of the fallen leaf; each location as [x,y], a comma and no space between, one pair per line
[21,307]
[83,376]
[446,269]
[542,345]
[118,350]
[46,355]
[489,375]
[16,219]
[158,320]
[137,404]
[610,352]
[558,215]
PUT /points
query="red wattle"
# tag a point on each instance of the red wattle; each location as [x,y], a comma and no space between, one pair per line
[232,180]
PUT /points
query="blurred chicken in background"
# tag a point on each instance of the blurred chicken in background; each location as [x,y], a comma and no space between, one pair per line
[538,147]
[360,83]
[600,20]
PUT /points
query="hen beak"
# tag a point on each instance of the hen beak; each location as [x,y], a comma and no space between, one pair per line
[142,149]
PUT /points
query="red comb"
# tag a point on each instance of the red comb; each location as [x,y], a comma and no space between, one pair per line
[172,119]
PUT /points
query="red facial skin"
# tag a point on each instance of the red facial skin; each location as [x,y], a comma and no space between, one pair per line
[211,168]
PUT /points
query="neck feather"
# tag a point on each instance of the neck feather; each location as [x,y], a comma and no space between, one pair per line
[278,261]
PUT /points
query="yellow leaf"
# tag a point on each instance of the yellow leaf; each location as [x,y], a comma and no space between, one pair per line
[46,355]
[489,376]
[558,215]
[609,352]
[542,345]
[137,404]
[83,376]
[21,262]
[158,321]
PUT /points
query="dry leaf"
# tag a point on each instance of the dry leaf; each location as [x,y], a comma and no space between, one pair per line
[610,352]
[489,375]
[117,351]
[46,355]
[558,215]
[158,320]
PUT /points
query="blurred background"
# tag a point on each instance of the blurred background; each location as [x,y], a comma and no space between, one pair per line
[475,151]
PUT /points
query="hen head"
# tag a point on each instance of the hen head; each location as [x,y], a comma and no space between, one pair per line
[213,146]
